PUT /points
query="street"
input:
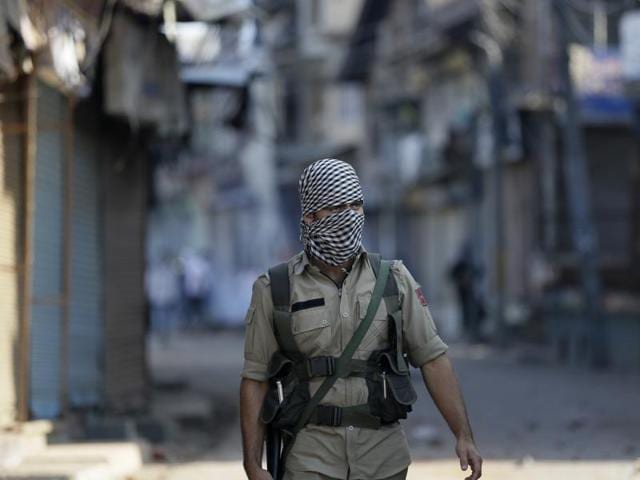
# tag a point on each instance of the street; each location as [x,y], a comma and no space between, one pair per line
[156,156]
[531,418]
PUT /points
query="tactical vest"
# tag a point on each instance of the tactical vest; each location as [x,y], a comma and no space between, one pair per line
[386,371]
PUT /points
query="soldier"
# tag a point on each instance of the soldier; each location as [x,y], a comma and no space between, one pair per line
[336,391]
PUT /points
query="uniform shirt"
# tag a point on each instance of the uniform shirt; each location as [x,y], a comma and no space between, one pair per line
[326,330]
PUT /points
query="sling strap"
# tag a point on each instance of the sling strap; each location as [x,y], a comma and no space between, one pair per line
[393,304]
[281,295]
[343,366]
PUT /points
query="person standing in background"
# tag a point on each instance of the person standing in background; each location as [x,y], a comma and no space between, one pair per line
[163,292]
[196,273]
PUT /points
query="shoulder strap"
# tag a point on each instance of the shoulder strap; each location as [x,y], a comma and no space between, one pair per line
[281,295]
[280,290]
[343,363]
[391,288]
[394,308]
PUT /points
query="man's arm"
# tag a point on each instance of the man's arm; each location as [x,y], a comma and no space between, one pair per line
[252,394]
[443,387]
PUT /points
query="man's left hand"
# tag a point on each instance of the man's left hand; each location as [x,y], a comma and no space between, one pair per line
[469,456]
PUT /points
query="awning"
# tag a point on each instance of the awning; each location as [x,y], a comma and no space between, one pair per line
[152,8]
[8,69]
[222,75]
[201,10]
[141,76]
[213,10]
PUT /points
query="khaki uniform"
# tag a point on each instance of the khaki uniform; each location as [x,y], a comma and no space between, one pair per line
[341,452]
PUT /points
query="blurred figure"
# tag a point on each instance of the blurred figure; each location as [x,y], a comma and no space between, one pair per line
[464,274]
[196,277]
[163,292]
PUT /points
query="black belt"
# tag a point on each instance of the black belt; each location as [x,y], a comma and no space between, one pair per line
[357,416]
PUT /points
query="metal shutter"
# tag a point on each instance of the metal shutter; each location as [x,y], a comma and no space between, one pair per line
[85,320]
[47,288]
[11,238]
[125,325]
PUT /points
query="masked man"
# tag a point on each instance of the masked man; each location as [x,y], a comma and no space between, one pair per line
[302,317]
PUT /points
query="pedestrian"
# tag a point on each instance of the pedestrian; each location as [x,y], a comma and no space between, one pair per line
[328,337]
[464,274]
[197,287]
[163,292]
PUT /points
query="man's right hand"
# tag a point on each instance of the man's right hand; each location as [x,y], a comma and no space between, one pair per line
[252,395]
[259,474]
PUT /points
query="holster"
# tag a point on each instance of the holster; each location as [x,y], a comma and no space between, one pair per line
[274,449]
[400,394]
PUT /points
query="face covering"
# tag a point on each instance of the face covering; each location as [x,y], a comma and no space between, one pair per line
[336,238]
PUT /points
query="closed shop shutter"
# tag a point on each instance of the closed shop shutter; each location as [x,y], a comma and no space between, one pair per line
[442,233]
[519,214]
[125,318]
[11,250]
[47,288]
[85,320]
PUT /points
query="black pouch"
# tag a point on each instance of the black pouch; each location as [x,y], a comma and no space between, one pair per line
[395,381]
[284,416]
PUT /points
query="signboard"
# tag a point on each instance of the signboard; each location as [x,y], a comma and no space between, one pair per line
[600,85]
[630,45]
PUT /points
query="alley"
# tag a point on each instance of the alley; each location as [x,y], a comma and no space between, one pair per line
[156,156]
[532,418]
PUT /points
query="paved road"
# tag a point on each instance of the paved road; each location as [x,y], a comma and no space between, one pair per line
[532,419]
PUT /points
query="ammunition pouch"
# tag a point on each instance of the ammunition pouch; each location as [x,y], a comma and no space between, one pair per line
[284,415]
[391,392]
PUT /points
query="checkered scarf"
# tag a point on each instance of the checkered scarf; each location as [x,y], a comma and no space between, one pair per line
[338,237]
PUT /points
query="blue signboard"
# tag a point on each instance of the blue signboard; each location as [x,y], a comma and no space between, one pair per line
[600,85]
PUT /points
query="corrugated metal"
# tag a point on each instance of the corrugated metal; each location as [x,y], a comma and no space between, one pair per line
[11,214]
[442,233]
[519,208]
[125,319]
[46,311]
[86,322]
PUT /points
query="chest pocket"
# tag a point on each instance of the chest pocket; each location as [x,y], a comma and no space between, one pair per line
[377,336]
[311,330]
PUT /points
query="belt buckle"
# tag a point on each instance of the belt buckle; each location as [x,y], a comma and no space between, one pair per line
[329,415]
[336,417]
[331,365]
[309,367]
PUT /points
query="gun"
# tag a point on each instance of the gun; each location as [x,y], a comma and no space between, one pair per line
[274,443]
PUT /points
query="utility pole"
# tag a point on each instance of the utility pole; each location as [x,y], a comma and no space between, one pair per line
[579,199]
[542,43]
[497,94]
